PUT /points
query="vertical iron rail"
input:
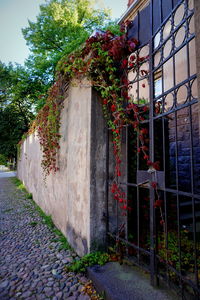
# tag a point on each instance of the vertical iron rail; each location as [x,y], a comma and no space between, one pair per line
[153,271]
[177,167]
[177,203]
[107,187]
[191,156]
[138,160]
[164,170]
[126,187]
[193,199]
[165,229]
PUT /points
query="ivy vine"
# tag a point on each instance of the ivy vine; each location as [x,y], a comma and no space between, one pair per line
[106,60]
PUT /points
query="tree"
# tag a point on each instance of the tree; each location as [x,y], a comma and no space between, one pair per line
[61,27]
[19,93]
[5,82]
[3,160]
[12,127]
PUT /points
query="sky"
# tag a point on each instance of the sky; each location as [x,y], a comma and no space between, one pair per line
[14,15]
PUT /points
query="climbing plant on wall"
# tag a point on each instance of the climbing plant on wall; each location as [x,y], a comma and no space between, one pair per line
[105,59]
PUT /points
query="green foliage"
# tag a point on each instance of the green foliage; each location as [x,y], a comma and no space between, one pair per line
[19,184]
[7,210]
[60,28]
[16,181]
[94,258]
[113,27]
[19,92]
[172,253]
[21,89]
[5,81]
[47,123]
[12,127]
[48,221]
[29,196]
[33,224]
[3,160]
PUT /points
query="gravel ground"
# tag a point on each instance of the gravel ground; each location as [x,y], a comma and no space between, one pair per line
[31,265]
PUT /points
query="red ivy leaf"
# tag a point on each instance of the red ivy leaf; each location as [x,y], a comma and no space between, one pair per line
[158,203]
[154,184]
[113,107]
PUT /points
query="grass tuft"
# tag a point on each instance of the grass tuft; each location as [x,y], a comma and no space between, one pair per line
[7,210]
[33,224]
[19,184]
[93,258]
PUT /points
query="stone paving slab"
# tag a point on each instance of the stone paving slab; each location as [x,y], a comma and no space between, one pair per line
[31,265]
[123,282]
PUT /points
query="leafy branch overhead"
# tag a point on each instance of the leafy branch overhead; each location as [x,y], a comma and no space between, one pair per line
[60,28]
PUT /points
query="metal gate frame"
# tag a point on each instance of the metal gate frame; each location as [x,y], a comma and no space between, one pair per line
[154,273]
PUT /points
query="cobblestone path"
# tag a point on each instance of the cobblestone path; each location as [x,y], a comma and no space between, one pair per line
[31,265]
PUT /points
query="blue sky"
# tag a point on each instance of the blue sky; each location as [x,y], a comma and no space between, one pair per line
[14,15]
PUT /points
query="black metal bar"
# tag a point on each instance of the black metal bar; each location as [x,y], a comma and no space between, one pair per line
[184,279]
[177,108]
[152,255]
[164,41]
[165,21]
[177,169]
[130,125]
[107,186]
[151,154]
[130,244]
[138,160]
[165,198]
[139,79]
[126,170]
[175,50]
[193,200]
[167,18]
[138,225]
[177,198]
[192,164]
[175,192]
[193,77]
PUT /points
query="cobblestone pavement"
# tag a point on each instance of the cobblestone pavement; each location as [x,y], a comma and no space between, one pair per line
[31,265]
[7,174]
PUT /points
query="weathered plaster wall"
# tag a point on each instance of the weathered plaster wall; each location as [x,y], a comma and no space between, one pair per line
[98,182]
[75,190]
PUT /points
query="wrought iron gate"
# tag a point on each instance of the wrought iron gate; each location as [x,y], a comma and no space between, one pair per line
[164,238]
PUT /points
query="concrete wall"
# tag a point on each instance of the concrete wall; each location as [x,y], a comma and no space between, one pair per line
[74,196]
[98,209]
